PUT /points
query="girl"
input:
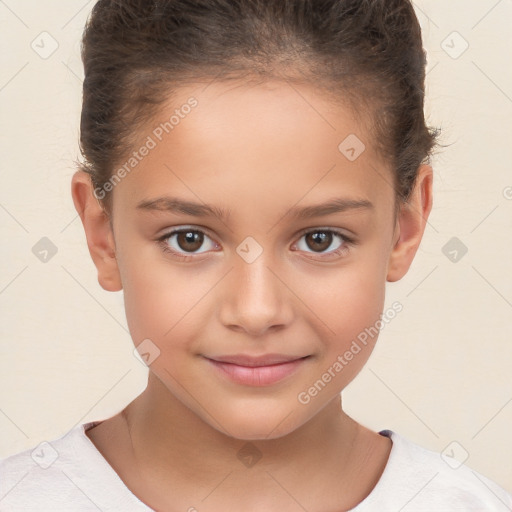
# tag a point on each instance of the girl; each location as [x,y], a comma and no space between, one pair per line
[284,141]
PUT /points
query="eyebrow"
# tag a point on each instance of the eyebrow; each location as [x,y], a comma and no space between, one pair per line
[175,205]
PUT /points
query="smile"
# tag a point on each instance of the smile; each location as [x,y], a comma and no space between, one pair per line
[256,371]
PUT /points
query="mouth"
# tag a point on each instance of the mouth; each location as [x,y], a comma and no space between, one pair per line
[262,370]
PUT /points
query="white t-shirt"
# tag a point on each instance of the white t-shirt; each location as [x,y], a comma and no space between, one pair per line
[70,474]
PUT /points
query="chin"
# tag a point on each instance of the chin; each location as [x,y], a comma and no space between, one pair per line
[259,423]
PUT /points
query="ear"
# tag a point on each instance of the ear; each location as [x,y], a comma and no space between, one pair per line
[411,223]
[98,231]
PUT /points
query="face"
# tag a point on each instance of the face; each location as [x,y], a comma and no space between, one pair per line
[260,272]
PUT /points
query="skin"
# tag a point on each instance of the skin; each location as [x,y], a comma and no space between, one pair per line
[258,151]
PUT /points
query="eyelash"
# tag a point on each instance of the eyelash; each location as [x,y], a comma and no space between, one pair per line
[347,241]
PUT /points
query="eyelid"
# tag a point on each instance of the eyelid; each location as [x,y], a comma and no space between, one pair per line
[181,227]
[186,227]
[314,229]
[196,227]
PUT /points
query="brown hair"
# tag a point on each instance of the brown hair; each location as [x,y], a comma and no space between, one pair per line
[365,52]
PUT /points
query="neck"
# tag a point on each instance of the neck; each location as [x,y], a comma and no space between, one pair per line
[176,451]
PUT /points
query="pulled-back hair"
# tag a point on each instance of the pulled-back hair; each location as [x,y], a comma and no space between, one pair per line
[364,53]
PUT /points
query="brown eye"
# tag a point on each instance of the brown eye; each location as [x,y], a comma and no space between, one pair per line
[184,242]
[323,242]
[189,240]
[319,240]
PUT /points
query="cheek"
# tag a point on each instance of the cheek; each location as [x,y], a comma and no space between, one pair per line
[348,302]
[165,302]
[346,299]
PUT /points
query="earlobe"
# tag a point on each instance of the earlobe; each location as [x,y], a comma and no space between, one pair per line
[411,223]
[98,232]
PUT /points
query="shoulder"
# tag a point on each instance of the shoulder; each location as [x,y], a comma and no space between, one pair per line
[46,475]
[425,480]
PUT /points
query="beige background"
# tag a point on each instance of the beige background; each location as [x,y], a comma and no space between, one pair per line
[441,370]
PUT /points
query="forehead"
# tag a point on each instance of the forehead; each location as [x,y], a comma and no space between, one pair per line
[255,145]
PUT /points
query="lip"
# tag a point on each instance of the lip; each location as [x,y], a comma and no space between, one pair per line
[263,370]
[262,360]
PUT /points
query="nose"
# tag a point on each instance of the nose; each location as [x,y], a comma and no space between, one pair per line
[255,297]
